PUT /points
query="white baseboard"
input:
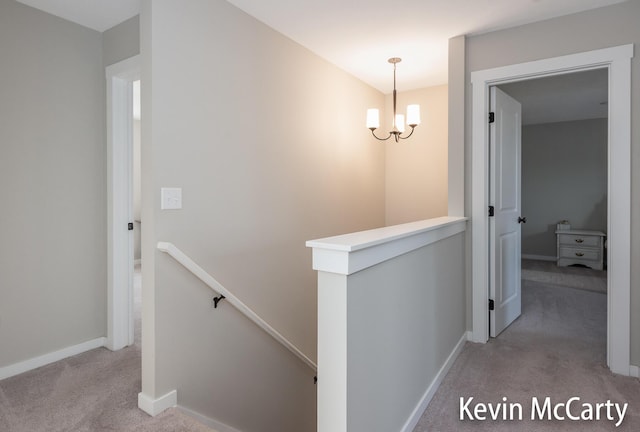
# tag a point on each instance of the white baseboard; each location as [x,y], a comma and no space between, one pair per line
[43,360]
[433,387]
[153,407]
[212,423]
[539,257]
[634,371]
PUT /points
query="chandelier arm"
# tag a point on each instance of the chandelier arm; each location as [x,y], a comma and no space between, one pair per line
[381,139]
[410,133]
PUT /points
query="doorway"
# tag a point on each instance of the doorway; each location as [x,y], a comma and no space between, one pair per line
[617,61]
[120,206]
[561,171]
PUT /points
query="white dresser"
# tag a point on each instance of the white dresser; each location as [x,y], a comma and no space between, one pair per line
[580,247]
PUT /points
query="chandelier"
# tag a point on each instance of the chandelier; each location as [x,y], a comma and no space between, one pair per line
[413,114]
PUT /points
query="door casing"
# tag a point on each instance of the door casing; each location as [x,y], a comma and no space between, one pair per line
[618,61]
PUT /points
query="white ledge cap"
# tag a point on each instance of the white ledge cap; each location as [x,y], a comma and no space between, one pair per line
[349,253]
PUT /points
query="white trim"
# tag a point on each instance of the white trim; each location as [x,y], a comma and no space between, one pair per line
[153,407]
[350,253]
[137,261]
[539,257]
[617,60]
[212,423]
[120,325]
[43,360]
[433,387]
[216,286]
[634,371]
[128,69]
[619,216]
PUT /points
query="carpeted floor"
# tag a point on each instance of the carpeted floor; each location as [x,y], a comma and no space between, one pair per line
[91,392]
[557,348]
[548,272]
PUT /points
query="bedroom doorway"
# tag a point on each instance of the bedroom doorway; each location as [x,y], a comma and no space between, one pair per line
[561,171]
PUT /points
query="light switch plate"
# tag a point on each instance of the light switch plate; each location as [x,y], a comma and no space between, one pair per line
[170,198]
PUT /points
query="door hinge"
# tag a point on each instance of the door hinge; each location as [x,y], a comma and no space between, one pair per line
[491,305]
[492,211]
[492,117]
[130,226]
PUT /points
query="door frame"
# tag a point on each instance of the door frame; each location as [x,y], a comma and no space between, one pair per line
[618,61]
[120,323]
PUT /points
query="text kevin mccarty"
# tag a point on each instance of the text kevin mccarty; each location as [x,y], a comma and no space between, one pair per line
[572,409]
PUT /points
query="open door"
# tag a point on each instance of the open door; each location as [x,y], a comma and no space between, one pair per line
[504,197]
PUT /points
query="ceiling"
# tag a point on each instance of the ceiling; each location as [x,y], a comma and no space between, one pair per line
[360,35]
[575,96]
[99,15]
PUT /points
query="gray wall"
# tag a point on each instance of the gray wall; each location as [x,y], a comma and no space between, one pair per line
[404,318]
[122,41]
[564,176]
[267,142]
[616,25]
[52,168]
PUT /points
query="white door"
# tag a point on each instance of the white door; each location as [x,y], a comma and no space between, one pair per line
[504,226]
[120,322]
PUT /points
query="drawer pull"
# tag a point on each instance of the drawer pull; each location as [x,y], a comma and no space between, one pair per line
[579,240]
[579,254]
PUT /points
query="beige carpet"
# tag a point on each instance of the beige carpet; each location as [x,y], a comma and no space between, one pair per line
[557,348]
[549,273]
[94,391]
[91,392]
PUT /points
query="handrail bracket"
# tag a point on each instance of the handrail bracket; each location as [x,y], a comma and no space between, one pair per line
[217,300]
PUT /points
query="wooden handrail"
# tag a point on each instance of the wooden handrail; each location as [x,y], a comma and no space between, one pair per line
[216,286]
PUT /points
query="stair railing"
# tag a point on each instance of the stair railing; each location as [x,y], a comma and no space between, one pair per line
[217,287]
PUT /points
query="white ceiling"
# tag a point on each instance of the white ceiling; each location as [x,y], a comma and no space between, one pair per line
[99,15]
[360,35]
[576,96]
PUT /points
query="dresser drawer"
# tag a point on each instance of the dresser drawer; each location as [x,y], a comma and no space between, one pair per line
[578,240]
[582,254]
[580,247]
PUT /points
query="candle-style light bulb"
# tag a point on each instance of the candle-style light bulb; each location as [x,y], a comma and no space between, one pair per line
[400,122]
[413,115]
[373,118]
